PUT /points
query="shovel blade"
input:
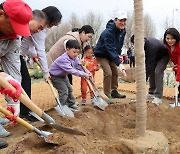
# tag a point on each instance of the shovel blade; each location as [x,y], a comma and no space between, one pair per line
[100,103]
[172,105]
[66,130]
[64,111]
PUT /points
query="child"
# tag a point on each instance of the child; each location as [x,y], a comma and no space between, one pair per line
[67,63]
[91,64]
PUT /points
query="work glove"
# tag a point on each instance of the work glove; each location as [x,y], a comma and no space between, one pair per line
[122,69]
[14,108]
[46,76]
[8,91]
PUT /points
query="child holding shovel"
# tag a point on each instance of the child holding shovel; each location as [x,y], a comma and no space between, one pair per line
[92,65]
[67,63]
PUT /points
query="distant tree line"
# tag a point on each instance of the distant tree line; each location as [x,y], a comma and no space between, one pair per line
[97,22]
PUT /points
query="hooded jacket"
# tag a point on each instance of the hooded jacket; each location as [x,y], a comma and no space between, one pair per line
[110,43]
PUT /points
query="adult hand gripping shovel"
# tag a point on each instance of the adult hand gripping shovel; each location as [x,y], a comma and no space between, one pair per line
[33,107]
[62,110]
[43,134]
[99,102]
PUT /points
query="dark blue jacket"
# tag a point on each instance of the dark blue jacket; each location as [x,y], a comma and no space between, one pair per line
[110,43]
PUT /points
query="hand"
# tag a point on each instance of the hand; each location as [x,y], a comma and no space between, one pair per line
[175,67]
[8,91]
[15,110]
[88,75]
[122,69]
[176,84]
[46,76]
[36,59]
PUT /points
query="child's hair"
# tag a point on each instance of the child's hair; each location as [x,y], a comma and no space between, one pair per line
[174,33]
[86,29]
[87,47]
[72,44]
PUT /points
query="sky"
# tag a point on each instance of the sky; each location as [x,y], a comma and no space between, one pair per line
[159,10]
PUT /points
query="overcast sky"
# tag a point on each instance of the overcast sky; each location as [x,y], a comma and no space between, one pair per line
[159,10]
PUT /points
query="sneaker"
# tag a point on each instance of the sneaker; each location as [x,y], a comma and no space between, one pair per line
[150,96]
[110,101]
[29,117]
[4,121]
[115,94]
[93,101]
[83,102]
[3,132]
[74,107]
[157,101]
[3,144]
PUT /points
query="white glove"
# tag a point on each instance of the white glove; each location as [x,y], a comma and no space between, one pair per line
[176,84]
[46,76]
[122,69]
[14,107]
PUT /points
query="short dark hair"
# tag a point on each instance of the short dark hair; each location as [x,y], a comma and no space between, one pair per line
[53,15]
[72,44]
[86,29]
[87,47]
[174,33]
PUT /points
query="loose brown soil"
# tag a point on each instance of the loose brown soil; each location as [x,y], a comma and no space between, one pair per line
[104,130]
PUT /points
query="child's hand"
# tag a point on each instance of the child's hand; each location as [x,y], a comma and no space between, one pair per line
[83,62]
[88,75]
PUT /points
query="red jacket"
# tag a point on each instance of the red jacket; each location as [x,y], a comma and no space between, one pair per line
[91,64]
[175,58]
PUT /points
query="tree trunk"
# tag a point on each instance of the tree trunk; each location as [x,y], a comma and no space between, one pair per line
[141,106]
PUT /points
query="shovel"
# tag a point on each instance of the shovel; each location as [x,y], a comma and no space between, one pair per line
[99,102]
[44,134]
[100,93]
[33,107]
[172,105]
[62,110]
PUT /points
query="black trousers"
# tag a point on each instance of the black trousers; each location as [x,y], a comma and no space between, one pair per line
[70,78]
[26,85]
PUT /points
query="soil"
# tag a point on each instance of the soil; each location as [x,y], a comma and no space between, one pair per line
[103,129]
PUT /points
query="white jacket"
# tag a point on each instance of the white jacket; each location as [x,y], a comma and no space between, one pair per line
[35,46]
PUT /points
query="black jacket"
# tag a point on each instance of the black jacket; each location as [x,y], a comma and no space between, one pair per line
[155,50]
[110,43]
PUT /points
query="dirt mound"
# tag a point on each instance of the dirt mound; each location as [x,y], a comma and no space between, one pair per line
[104,131]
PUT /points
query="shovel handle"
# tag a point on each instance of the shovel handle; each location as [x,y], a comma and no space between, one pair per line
[26,101]
[18,119]
[52,88]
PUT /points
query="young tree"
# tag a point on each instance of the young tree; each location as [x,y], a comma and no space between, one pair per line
[141,107]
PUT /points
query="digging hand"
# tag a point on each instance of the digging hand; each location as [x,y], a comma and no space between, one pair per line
[14,83]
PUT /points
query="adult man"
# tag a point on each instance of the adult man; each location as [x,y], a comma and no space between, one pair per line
[14,19]
[108,50]
[157,58]
[34,46]
[10,59]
